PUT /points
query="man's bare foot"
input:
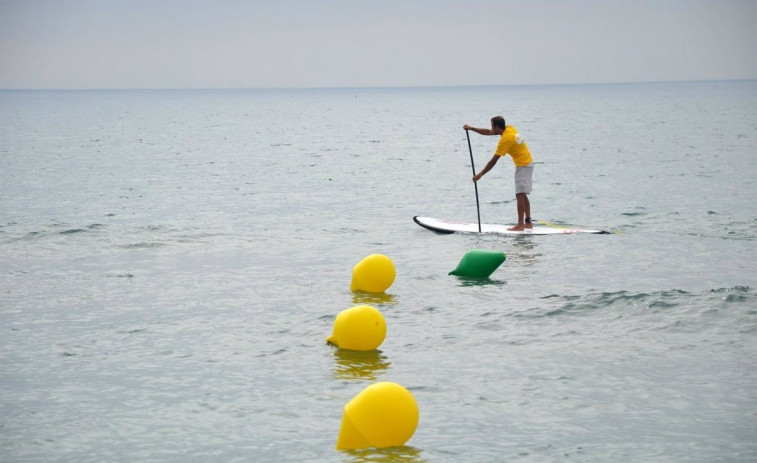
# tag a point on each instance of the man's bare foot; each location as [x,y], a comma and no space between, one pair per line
[519,227]
[528,225]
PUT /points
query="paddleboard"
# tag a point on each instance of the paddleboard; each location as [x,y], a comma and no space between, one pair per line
[451,226]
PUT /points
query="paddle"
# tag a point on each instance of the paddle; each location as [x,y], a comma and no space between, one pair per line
[475,185]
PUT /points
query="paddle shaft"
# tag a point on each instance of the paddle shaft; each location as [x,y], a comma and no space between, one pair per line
[475,184]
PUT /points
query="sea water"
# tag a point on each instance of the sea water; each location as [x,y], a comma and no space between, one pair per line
[171,263]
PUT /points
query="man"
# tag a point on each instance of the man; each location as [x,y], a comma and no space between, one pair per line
[512,143]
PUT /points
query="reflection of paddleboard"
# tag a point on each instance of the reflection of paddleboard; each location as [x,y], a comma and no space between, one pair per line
[451,226]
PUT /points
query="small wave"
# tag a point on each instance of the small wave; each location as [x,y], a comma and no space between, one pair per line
[152,245]
[72,231]
[91,227]
[640,211]
[733,294]
[658,301]
[662,305]
[556,312]
[279,351]
[55,231]
[120,275]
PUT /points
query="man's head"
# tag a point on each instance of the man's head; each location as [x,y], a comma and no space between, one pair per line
[498,124]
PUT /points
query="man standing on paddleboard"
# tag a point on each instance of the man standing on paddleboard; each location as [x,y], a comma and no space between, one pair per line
[512,143]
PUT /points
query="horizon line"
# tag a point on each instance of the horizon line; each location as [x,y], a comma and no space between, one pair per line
[388,87]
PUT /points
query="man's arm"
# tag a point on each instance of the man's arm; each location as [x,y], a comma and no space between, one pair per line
[479,131]
[486,168]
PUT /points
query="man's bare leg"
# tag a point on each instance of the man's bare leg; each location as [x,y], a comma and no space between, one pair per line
[523,204]
[527,211]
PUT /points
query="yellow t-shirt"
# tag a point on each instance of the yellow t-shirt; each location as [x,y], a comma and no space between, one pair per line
[513,144]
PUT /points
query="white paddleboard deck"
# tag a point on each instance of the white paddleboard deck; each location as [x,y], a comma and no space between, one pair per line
[451,226]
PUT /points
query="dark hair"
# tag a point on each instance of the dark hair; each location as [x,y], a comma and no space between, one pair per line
[498,121]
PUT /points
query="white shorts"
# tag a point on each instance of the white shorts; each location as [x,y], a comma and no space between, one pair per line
[523,177]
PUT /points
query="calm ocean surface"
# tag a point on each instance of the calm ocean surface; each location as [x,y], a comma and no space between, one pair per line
[171,263]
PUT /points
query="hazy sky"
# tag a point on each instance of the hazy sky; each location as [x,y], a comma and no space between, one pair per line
[361,43]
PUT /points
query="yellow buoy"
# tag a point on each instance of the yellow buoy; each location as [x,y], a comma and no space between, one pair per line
[374,274]
[383,415]
[358,328]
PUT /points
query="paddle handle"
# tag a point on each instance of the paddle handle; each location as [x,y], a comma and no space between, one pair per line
[475,184]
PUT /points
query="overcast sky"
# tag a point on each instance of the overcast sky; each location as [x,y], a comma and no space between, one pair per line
[360,43]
